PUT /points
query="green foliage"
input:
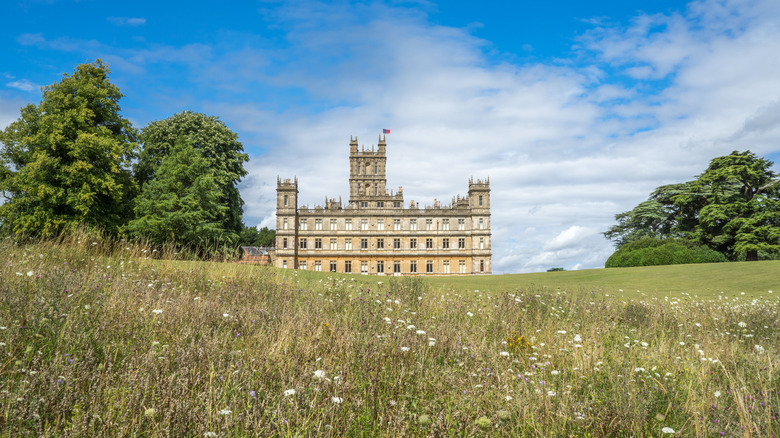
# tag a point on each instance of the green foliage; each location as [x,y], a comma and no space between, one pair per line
[733,208]
[217,144]
[653,252]
[250,236]
[65,161]
[182,203]
[555,270]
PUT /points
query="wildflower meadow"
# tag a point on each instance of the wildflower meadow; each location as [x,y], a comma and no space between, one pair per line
[105,339]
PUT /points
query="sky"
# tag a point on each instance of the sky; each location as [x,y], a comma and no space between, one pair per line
[574,110]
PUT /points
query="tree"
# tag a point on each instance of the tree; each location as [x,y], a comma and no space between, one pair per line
[65,162]
[250,236]
[182,203]
[215,142]
[733,208]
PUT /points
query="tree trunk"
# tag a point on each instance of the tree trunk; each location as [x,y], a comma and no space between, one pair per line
[751,255]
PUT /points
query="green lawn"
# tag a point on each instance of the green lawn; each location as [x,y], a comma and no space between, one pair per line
[753,278]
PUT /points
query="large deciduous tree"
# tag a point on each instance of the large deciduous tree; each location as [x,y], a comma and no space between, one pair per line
[215,142]
[733,207]
[65,162]
[182,203]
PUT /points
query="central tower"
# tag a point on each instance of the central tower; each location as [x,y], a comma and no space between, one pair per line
[367,173]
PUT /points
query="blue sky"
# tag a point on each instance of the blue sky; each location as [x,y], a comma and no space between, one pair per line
[575,110]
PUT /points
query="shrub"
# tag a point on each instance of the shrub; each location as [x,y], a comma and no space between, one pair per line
[653,252]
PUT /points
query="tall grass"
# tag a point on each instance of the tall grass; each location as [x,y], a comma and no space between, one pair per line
[103,341]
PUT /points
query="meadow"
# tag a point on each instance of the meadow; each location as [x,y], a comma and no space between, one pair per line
[100,339]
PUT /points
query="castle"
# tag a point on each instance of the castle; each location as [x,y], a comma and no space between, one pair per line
[375,234]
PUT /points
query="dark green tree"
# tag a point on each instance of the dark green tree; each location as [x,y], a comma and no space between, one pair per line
[741,216]
[250,236]
[733,208]
[182,203]
[217,144]
[65,162]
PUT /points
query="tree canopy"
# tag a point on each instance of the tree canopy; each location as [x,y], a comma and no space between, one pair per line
[65,162]
[251,236]
[181,204]
[733,207]
[215,142]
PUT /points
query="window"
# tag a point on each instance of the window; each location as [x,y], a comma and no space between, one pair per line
[461,243]
[285,223]
[413,224]
[461,224]
[363,243]
[380,267]
[318,243]
[380,224]
[348,224]
[429,266]
[304,225]
[480,200]
[284,264]
[396,224]
[333,244]
[318,224]
[348,244]
[396,243]
[364,204]
[332,266]
[462,266]
[445,224]
[481,266]
[445,243]
[413,266]
[481,223]
[481,243]
[302,244]
[364,267]
[380,204]
[446,267]
[359,170]
[302,265]
[412,243]
[334,224]
[348,266]
[363,224]
[429,243]
[318,266]
[397,267]
[286,200]
[284,243]
[376,169]
[397,204]
[380,243]
[428,224]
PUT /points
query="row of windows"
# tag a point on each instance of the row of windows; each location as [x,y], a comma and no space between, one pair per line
[393,266]
[381,243]
[380,224]
[379,204]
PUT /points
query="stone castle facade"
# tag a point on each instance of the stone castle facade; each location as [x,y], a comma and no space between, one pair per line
[376,234]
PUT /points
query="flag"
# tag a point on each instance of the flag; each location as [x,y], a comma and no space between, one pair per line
[385,131]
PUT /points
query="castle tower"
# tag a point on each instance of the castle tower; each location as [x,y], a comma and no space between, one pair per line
[287,221]
[367,172]
[479,201]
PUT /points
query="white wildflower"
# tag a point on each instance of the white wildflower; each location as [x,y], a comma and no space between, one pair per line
[667,430]
[420,332]
[404,348]
[336,400]
[469,314]
[504,353]
[716,394]
[289,392]
[157,311]
[30,273]
[577,338]
[225,411]
[742,324]
[319,374]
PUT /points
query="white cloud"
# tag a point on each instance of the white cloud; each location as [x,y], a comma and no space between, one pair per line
[127,21]
[24,85]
